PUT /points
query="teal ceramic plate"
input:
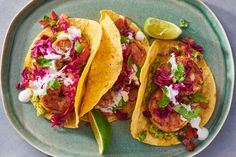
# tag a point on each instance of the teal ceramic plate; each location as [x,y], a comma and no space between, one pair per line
[204,27]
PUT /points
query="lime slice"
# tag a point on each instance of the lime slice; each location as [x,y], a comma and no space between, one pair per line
[161,29]
[101,129]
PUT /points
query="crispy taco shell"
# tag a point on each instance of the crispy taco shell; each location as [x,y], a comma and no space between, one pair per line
[107,64]
[92,32]
[140,123]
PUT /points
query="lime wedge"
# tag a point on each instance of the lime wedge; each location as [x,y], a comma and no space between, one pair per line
[101,129]
[161,29]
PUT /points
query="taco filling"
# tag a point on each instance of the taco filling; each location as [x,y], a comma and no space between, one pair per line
[121,98]
[58,59]
[174,101]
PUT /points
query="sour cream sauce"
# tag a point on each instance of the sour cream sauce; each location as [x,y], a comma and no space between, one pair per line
[173,63]
[172,93]
[116,98]
[139,36]
[24,96]
[39,86]
[202,132]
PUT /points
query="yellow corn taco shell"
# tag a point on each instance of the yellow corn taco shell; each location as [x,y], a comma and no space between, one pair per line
[107,64]
[140,123]
[92,32]
[105,68]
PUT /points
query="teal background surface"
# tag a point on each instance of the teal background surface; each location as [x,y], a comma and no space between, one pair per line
[38,129]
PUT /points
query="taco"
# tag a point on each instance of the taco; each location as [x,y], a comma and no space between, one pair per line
[56,66]
[113,80]
[177,95]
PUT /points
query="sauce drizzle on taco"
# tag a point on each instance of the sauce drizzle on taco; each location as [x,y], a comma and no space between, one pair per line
[55,65]
[173,104]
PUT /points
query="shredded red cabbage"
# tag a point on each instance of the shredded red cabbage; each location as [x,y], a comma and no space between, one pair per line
[162,78]
[162,113]
[147,114]
[191,43]
[127,31]
[169,107]
[121,115]
[58,119]
[31,75]
[41,47]
[124,77]
[63,23]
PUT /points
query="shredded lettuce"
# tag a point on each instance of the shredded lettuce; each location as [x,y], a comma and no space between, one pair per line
[142,136]
[196,98]
[160,134]
[38,105]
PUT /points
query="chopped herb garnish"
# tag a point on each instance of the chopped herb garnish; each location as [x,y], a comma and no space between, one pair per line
[179,73]
[183,23]
[164,90]
[78,47]
[124,39]
[130,61]
[138,71]
[121,102]
[45,17]
[198,98]
[180,138]
[54,84]
[195,54]
[113,109]
[43,62]
[53,23]
[165,100]
[142,136]
[171,51]
[187,114]
[177,47]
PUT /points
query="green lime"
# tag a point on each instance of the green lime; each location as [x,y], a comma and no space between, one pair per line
[161,29]
[101,129]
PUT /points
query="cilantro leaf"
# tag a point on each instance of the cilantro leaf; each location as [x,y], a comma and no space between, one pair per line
[183,23]
[113,109]
[53,23]
[142,136]
[43,62]
[45,17]
[198,98]
[164,90]
[124,39]
[195,54]
[179,73]
[138,71]
[54,84]
[130,60]
[187,114]
[78,46]
[121,102]
[165,100]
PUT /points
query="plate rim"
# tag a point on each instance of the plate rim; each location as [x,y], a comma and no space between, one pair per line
[28,140]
